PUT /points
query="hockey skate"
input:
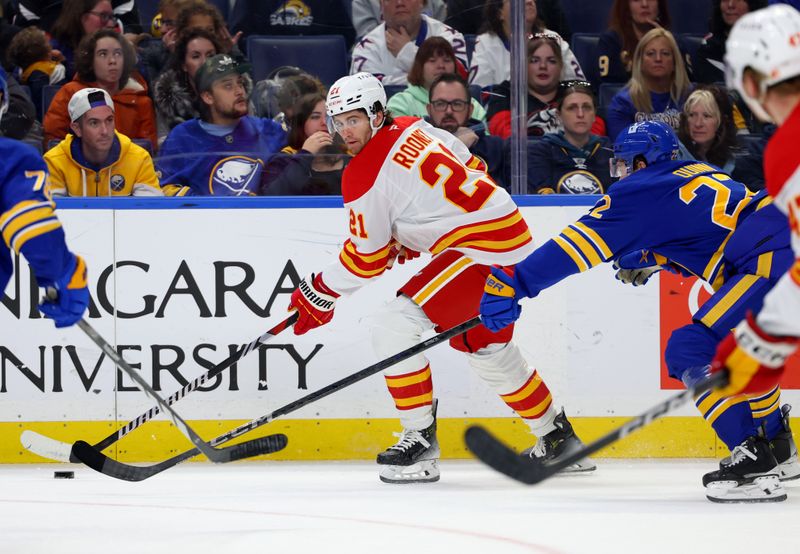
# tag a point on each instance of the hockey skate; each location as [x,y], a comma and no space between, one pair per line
[558,443]
[785,449]
[415,457]
[751,475]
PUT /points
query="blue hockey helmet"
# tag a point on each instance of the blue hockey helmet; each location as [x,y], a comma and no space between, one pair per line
[4,92]
[654,141]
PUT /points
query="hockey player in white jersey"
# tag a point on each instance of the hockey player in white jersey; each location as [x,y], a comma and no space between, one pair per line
[763,65]
[413,188]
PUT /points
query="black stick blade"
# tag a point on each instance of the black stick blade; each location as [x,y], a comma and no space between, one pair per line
[257,447]
[488,449]
[90,456]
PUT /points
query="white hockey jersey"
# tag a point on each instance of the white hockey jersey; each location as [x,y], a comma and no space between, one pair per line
[491,61]
[371,55]
[780,315]
[420,186]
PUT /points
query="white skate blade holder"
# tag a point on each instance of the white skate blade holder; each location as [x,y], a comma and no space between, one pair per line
[424,471]
[766,488]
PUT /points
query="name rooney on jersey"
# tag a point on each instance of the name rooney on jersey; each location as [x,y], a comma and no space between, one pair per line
[411,148]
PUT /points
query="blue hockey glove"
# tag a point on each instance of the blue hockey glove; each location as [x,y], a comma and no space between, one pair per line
[500,304]
[73,295]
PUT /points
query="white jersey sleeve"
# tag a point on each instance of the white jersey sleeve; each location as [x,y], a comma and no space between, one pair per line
[780,315]
[421,187]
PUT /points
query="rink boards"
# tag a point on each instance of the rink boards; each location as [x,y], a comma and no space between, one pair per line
[177,285]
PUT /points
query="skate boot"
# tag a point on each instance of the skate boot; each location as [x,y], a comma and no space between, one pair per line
[751,475]
[415,457]
[785,449]
[559,443]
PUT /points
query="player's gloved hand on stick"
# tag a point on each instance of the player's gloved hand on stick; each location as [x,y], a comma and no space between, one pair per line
[71,295]
[754,359]
[400,254]
[636,268]
[314,303]
[500,303]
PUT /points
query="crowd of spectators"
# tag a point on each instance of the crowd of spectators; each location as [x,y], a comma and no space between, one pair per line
[122,104]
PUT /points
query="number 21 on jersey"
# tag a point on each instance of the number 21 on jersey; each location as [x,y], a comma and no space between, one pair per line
[357,228]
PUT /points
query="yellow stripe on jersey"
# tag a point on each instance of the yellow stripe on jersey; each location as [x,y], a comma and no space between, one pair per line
[482,227]
[724,405]
[27,220]
[572,253]
[730,298]
[588,250]
[764,267]
[352,267]
[422,399]
[367,258]
[713,264]
[454,269]
[34,231]
[497,244]
[596,239]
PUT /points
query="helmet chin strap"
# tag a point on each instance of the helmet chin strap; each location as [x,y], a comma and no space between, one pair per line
[373,127]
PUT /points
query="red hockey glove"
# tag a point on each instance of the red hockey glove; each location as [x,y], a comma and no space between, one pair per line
[753,359]
[314,303]
[400,254]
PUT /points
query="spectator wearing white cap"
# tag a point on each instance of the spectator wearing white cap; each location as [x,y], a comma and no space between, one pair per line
[95,159]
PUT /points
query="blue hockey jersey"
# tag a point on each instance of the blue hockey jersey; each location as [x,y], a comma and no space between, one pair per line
[230,165]
[683,211]
[28,222]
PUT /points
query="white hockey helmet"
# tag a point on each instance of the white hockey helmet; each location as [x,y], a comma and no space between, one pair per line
[352,92]
[768,41]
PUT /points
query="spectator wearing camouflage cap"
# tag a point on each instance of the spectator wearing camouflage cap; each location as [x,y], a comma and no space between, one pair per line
[223,152]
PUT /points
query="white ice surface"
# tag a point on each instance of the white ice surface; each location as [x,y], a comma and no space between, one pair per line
[327,507]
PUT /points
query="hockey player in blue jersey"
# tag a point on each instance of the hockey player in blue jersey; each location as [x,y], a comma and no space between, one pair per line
[688,217]
[29,226]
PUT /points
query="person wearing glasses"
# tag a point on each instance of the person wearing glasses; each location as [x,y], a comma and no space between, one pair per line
[572,160]
[451,108]
[78,19]
[44,13]
[434,58]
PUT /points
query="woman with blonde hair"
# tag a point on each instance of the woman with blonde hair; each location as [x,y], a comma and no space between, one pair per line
[707,129]
[658,86]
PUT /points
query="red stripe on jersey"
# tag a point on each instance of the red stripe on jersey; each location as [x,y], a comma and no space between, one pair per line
[362,171]
[502,234]
[364,265]
[780,161]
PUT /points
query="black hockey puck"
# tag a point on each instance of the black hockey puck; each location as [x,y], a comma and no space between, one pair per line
[64,475]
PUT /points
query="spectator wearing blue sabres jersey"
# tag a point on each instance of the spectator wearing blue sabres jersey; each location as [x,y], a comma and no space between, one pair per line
[658,86]
[223,152]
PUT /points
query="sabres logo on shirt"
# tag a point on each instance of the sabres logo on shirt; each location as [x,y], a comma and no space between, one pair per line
[292,12]
[235,176]
[579,182]
[117,182]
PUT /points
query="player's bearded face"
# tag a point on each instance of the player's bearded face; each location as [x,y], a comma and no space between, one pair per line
[354,128]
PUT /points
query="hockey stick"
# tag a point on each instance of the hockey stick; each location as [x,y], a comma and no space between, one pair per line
[102,463]
[62,451]
[247,449]
[530,471]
